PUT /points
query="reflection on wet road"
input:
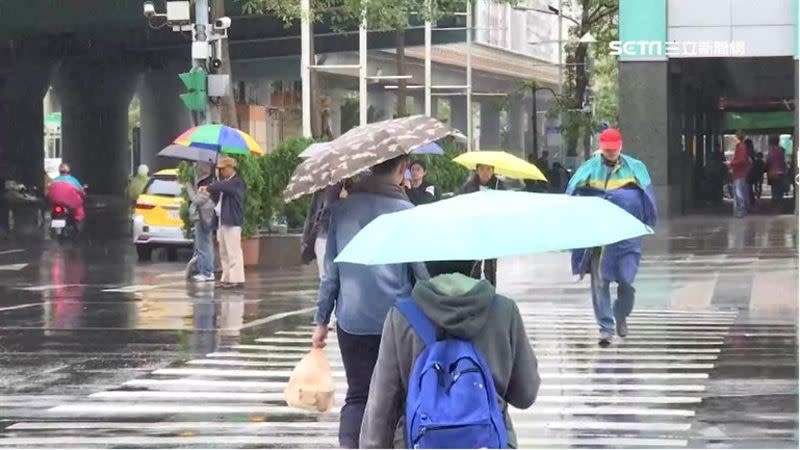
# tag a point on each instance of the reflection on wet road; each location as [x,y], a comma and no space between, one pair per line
[99,352]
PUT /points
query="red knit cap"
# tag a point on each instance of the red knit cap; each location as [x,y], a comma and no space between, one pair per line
[610,139]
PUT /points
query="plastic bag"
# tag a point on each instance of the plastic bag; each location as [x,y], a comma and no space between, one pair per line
[311,384]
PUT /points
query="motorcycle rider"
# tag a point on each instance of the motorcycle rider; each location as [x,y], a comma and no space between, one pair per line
[67,191]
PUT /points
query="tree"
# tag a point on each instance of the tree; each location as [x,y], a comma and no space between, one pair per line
[597,17]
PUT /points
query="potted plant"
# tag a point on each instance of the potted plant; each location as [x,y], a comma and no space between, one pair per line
[250,170]
[278,167]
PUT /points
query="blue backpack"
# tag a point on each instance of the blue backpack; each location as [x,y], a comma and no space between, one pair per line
[451,400]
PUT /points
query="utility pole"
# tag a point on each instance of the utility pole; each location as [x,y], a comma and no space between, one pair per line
[305,59]
[200,48]
[363,103]
[469,77]
[534,122]
[560,47]
[428,43]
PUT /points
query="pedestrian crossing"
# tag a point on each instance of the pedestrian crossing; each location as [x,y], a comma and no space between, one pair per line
[641,392]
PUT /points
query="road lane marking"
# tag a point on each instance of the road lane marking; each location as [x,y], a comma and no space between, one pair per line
[594,349]
[26,305]
[296,356]
[255,427]
[337,363]
[223,373]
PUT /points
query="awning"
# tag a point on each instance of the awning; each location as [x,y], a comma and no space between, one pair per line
[773,121]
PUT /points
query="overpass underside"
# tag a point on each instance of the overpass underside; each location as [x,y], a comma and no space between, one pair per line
[96,58]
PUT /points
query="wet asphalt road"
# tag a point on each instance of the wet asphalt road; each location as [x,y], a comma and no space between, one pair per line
[99,351]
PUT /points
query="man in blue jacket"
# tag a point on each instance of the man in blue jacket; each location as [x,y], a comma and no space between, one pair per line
[625,182]
[362,295]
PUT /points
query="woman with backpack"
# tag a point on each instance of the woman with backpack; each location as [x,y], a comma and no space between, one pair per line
[453,335]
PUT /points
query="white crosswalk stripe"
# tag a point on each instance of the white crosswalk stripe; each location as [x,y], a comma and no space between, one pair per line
[641,392]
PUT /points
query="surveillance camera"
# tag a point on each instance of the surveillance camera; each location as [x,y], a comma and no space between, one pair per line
[149,9]
[223,23]
[216,63]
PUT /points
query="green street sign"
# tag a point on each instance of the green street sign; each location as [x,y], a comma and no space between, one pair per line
[195,82]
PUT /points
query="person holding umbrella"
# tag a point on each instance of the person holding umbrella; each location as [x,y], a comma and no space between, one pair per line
[362,295]
[484,178]
[230,189]
[625,182]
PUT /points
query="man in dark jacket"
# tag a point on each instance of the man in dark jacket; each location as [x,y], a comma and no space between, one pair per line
[463,308]
[484,178]
[230,210]
[419,191]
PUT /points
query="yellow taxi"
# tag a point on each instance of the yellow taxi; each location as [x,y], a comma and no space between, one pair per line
[157,218]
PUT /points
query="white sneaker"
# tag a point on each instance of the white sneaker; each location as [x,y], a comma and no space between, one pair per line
[200,278]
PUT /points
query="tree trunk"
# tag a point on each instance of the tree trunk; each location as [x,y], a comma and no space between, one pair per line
[581,84]
[400,43]
[227,104]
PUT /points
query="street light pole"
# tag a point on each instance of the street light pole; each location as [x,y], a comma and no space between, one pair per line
[534,123]
[305,59]
[560,47]
[201,35]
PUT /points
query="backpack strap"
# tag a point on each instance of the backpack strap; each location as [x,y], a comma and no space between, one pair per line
[418,320]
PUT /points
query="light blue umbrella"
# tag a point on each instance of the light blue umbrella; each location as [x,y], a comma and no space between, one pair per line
[491,224]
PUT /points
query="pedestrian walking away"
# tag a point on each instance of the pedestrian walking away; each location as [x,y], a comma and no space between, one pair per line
[624,181]
[315,229]
[776,171]
[230,190]
[362,295]
[137,183]
[740,166]
[204,221]
[449,307]
[755,178]
[484,178]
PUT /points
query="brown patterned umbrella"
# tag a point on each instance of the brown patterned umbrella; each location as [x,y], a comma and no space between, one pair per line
[361,148]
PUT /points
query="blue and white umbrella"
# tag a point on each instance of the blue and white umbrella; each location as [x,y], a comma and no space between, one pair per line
[491,224]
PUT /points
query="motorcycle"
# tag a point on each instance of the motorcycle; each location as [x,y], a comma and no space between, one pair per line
[62,223]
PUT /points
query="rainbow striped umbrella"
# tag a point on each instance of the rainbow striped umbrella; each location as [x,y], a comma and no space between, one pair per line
[205,143]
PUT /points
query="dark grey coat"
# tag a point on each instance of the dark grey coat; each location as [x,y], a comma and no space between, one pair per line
[495,326]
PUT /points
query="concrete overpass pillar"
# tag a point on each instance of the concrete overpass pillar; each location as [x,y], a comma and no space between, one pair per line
[490,127]
[383,105]
[163,116]
[22,121]
[517,124]
[95,96]
[458,113]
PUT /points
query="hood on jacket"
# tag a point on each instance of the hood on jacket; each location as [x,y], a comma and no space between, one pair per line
[456,303]
[380,185]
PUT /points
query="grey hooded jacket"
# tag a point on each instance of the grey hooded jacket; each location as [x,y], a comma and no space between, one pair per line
[464,308]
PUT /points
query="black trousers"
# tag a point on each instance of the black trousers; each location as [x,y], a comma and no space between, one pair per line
[359,355]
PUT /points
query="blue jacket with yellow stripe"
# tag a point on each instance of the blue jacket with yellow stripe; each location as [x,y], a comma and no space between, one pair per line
[626,184]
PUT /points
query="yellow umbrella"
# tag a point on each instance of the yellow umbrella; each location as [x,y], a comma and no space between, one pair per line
[504,164]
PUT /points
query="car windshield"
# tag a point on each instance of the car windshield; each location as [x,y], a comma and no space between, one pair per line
[163,187]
